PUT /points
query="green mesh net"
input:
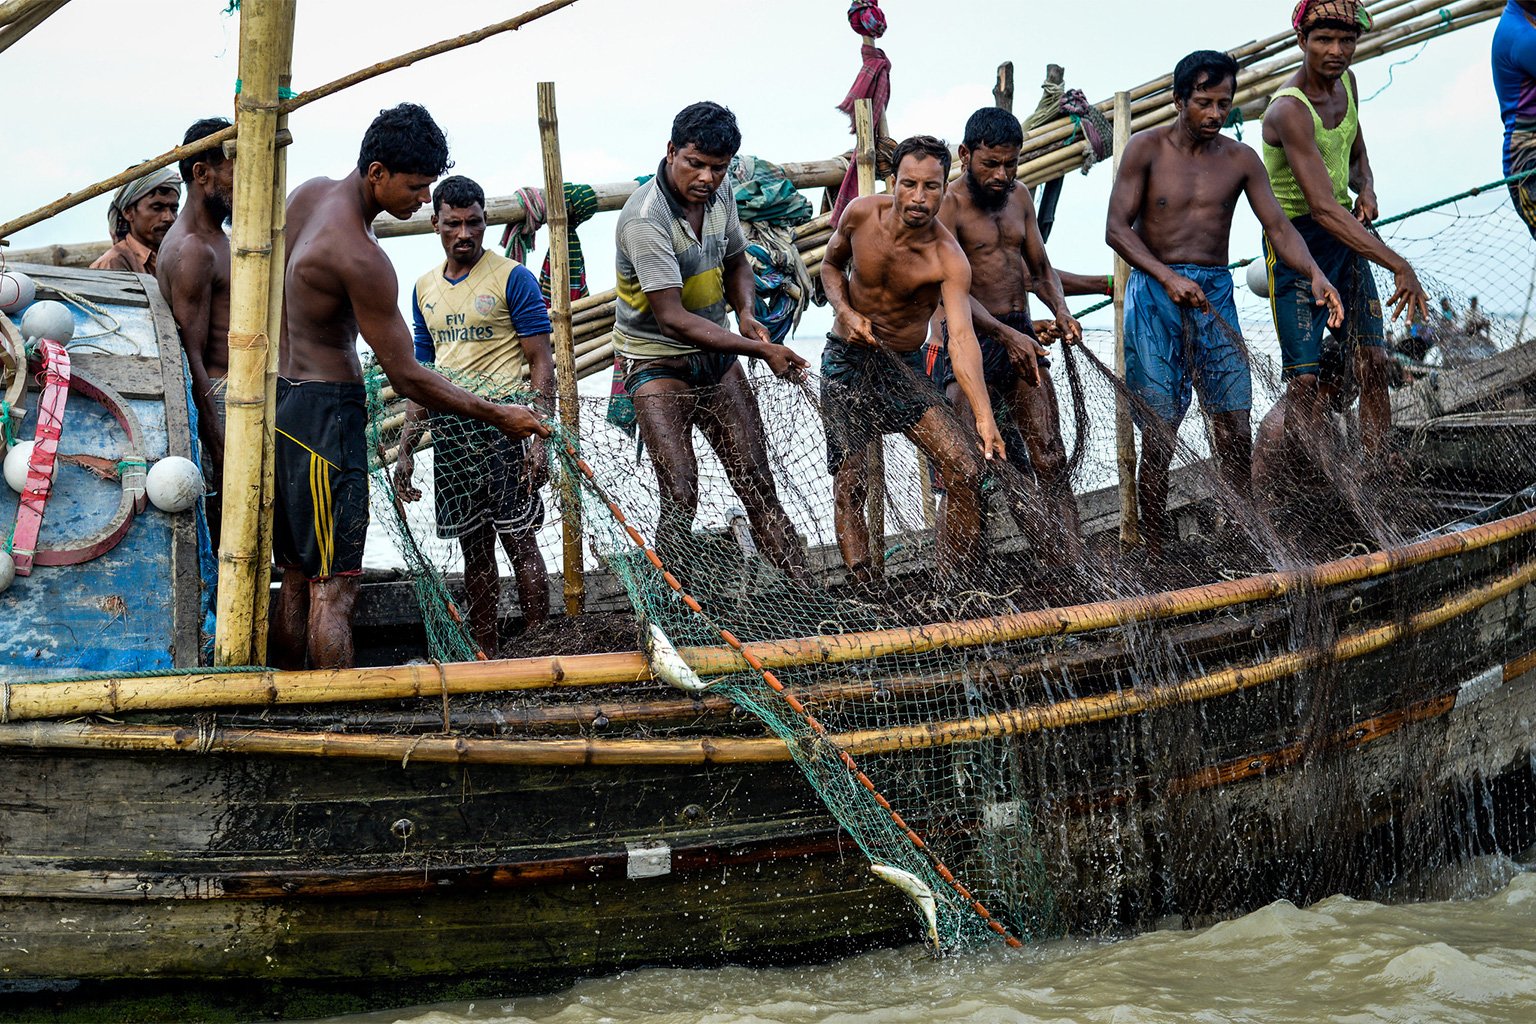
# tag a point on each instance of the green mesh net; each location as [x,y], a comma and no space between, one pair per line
[1057,735]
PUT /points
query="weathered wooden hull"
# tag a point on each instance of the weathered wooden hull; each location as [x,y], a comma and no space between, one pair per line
[173,863]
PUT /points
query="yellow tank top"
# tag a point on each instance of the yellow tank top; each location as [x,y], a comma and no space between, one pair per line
[470,323]
[1334,145]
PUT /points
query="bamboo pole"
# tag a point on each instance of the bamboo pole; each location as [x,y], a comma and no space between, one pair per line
[256,108]
[20,17]
[265,687]
[289,106]
[261,597]
[1125,431]
[572,572]
[580,753]
[874,508]
[1002,90]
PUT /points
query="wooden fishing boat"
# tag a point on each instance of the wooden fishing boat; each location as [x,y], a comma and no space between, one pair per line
[263,840]
[181,844]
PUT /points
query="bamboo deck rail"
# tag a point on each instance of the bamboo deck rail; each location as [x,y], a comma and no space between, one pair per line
[730,750]
[26,701]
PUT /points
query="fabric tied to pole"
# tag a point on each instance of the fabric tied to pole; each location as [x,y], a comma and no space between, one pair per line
[1089,120]
[866,18]
[874,84]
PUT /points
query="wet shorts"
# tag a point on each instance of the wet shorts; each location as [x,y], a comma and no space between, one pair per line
[1171,350]
[996,367]
[321,465]
[481,475]
[867,393]
[697,370]
[1522,160]
[1299,323]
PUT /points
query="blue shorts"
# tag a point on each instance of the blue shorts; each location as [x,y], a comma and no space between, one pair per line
[1162,370]
[1300,323]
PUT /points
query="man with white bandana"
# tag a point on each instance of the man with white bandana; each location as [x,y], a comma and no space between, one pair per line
[141,213]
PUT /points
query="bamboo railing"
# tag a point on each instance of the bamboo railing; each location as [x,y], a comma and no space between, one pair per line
[267,687]
[586,752]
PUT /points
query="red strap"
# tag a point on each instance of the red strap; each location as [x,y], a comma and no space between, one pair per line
[50,425]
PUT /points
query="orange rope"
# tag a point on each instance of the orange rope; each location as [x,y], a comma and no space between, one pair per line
[793,702]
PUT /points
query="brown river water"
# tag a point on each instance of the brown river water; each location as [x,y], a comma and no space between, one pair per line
[1467,960]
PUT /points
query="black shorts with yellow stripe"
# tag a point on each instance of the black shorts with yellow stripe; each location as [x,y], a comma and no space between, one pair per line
[321,467]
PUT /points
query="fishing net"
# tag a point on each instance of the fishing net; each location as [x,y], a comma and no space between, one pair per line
[1060,732]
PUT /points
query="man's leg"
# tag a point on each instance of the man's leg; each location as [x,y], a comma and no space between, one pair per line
[850,488]
[664,410]
[1234,451]
[1037,412]
[731,420]
[290,625]
[331,603]
[1374,367]
[532,576]
[1157,442]
[940,436]
[482,585]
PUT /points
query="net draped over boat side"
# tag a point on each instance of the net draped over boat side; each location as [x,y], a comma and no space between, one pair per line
[1063,723]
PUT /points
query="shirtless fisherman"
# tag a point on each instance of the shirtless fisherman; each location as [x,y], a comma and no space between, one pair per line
[339,283]
[193,273]
[994,222]
[888,265]
[1170,218]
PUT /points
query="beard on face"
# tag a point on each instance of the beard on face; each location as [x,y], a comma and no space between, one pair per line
[988,199]
[219,207]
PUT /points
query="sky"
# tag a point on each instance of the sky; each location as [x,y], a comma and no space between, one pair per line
[105,83]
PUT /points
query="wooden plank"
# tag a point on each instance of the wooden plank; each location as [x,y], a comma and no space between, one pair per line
[130,376]
[186,569]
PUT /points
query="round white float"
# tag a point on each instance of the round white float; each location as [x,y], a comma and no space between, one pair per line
[16,465]
[48,319]
[7,570]
[1258,279]
[16,292]
[174,484]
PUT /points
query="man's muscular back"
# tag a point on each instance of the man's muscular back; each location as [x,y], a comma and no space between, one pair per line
[993,241]
[203,257]
[327,236]
[896,285]
[1189,199]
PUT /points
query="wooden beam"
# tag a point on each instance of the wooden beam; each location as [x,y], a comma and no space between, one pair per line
[1002,91]
[572,572]
[20,17]
[874,508]
[1125,430]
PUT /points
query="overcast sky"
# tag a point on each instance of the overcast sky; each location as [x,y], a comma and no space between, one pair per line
[106,82]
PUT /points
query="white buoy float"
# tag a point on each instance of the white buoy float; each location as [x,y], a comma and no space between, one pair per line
[1258,279]
[7,570]
[48,319]
[174,484]
[16,292]
[16,461]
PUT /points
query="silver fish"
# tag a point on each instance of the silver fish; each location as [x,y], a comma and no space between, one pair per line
[669,666]
[918,892]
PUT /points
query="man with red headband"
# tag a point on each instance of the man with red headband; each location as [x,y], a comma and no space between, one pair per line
[1316,156]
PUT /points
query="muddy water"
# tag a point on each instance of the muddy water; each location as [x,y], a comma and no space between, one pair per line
[1469,961]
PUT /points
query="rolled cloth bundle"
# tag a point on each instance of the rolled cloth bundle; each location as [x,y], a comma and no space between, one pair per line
[1310,12]
[866,18]
[135,190]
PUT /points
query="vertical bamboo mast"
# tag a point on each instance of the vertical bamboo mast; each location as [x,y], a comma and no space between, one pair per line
[1002,91]
[565,347]
[261,25]
[1125,431]
[262,598]
[864,157]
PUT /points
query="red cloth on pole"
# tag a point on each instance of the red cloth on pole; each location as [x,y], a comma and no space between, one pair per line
[874,84]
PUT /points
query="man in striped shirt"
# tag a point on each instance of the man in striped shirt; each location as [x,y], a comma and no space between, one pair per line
[681,262]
